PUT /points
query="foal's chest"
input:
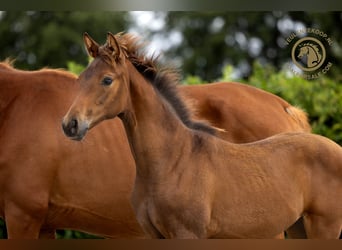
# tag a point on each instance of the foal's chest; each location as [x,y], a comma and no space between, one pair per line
[171,216]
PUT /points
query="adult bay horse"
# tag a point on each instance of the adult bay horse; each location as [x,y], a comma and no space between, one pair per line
[44,183]
[48,182]
[190,183]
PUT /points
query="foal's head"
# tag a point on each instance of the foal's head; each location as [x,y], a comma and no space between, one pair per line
[104,87]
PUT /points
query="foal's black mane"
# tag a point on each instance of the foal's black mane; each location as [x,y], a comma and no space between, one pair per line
[163,80]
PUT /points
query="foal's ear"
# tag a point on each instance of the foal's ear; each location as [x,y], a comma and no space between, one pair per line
[91,46]
[113,45]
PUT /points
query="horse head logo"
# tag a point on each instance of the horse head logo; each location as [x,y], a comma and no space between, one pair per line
[312,53]
[308,54]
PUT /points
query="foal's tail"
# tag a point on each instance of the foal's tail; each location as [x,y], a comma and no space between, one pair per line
[300,117]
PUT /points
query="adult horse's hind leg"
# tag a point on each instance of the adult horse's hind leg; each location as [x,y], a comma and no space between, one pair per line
[322,227]
[21,224]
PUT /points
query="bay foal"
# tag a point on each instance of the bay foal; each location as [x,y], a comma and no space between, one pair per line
[191,184]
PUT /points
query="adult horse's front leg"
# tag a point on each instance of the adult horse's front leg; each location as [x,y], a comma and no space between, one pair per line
[22,224]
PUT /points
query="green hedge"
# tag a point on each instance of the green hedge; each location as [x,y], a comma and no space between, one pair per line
[320,98]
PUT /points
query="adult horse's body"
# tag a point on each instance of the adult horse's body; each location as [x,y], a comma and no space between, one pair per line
[246,113]
[49,182]
[44,183]
[191,184]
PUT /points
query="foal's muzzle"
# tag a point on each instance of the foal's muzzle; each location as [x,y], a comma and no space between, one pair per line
[74,129]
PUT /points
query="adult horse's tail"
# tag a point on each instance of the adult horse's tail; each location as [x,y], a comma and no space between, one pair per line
[7,63]
[300,117]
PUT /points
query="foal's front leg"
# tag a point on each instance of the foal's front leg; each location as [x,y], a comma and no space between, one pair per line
[179,233]
[186,234]
[320,227]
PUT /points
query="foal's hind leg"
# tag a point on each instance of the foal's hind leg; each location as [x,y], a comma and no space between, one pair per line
[321,227]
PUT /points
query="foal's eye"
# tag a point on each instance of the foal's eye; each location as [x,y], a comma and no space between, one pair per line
[107,81]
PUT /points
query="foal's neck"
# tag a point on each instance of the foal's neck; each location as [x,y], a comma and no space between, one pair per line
[156,135]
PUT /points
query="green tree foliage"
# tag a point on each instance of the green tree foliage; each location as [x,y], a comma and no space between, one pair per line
[205,41]
[60,234]
[72,234]
[320,98]
[211,40]
[50,39]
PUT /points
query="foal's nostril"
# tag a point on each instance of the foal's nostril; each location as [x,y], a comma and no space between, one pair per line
[73,126]
[70,128]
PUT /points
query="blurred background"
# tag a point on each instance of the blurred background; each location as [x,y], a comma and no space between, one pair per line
[199,43]
[249,47]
